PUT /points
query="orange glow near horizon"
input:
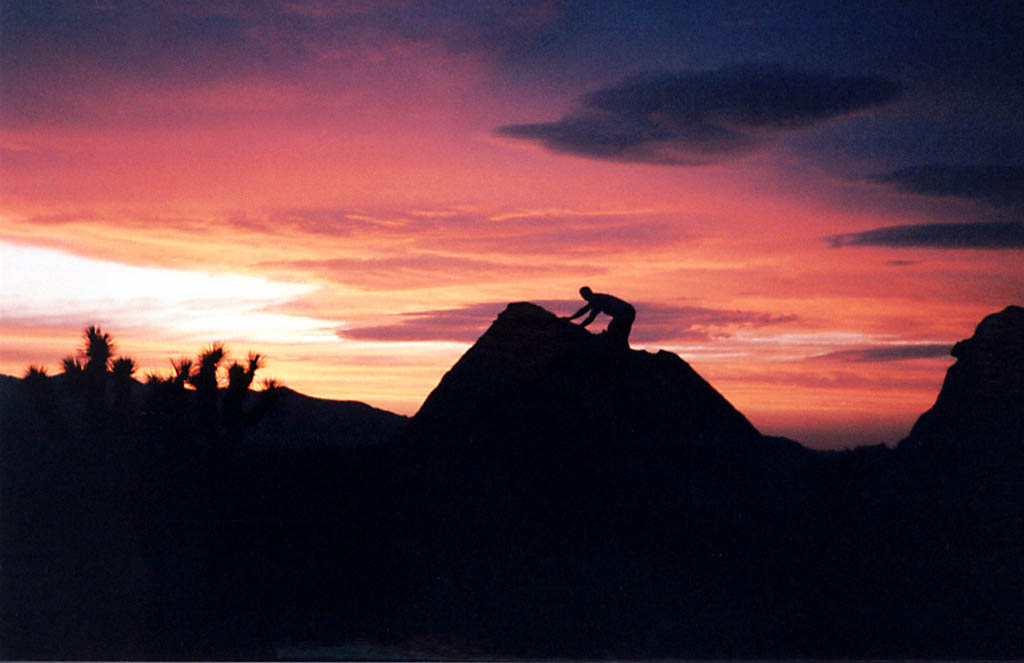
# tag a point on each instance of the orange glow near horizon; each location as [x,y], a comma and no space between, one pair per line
[721,248]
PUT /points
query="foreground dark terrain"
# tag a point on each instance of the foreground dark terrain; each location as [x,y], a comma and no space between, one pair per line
[554,497]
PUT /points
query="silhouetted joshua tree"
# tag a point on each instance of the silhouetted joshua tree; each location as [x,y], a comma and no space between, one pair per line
[37,382]
[171,411]
[205,382]
[35,374]
[75,372]
[169,408]
[240,378]
[122,370]
[42,395]
[182,371]
[205,378]
[98,349]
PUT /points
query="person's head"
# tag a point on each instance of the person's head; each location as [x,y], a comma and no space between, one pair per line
[586,292]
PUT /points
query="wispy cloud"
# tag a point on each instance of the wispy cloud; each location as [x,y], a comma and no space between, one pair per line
[654,322]
[365,248]
[463,235]
[407,271]
[570,240]
[457,325]
[566,213]
[697,118]
[984,235]
[657,323]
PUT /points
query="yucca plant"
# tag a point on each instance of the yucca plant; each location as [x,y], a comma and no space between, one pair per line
[205,382]
[153,377]
[38,384]
[167,398]
[122,370]
[34,374]
[98,347]
[182,371]
[236,377]
[240,378]
[269,394]
[206,377]
[75,372]
[256,361]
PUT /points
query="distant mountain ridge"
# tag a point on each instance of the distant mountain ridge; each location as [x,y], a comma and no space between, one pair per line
[304,422]
[295,421]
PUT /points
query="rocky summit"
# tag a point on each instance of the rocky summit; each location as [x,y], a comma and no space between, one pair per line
[534,376]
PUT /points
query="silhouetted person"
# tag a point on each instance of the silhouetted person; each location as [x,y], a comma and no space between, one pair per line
[622,314]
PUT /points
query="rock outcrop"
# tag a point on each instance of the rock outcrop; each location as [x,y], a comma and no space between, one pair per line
[536,377]
[980,409]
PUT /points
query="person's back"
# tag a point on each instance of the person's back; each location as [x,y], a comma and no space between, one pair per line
[611,305]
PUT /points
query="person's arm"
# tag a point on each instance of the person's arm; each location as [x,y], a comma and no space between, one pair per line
[586,307]
[590,318]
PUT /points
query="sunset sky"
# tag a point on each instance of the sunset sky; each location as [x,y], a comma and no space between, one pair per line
[809,202]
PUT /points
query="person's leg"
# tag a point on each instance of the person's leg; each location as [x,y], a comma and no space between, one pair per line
[618,331]
[627,326]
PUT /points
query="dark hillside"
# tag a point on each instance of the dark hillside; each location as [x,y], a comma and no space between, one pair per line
[554,497]
[134,528]
[301,422]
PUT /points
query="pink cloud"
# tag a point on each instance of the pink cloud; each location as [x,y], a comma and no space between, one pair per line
[406,271]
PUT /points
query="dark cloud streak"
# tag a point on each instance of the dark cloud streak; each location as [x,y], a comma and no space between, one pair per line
[889,353]
[998,184]
[986,235]
[697,118]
